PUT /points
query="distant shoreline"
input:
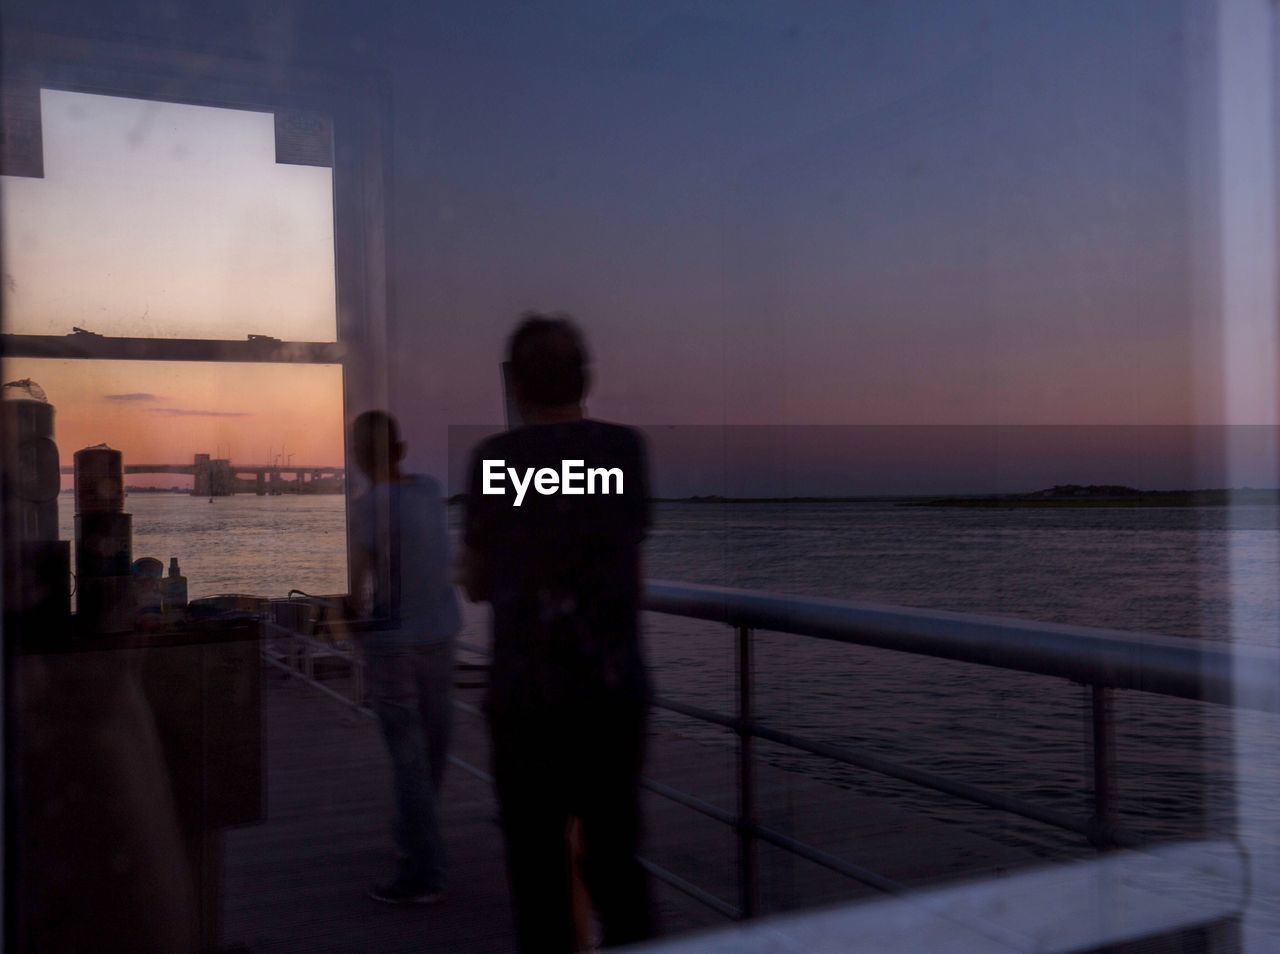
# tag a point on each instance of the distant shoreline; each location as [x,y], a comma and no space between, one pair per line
[1058,498]
[1147,498]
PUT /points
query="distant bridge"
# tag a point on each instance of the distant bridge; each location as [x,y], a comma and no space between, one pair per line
[218,477]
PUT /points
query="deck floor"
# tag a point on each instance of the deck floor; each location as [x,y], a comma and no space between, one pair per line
[297,879]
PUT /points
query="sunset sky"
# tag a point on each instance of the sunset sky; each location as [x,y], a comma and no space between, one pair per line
[167,220]
[170,220]
[852,214]
[166,413]
[904,213]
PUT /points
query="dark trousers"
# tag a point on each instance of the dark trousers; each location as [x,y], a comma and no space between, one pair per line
[410,690]
[549,767]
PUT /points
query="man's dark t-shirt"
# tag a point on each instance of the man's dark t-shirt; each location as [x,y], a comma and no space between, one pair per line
[562,572]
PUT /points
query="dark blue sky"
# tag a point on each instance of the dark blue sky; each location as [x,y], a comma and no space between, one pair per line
[815,213]
[782,213]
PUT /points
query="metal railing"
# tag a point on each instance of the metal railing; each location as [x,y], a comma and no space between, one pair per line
[1101,660]
[1194,891]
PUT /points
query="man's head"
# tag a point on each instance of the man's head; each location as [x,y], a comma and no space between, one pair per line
[376,445]
[548,363]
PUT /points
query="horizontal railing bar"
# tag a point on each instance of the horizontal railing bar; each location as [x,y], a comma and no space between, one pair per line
[772,836]
[1175,666]
[696,712]
[1079,906]
[662,874]
[846,756]
[899,771]
[277,631]
[657,871]
[776,838]
[939,783]
[1097,657]
[472,770]
[333,693]
[365,710]
[827,860]
[1247,677]
[692,890]
[689,801]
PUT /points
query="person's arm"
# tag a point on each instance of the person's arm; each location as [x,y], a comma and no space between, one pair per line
[435,570]
[644,507]
[470,574]
[471,569]
[361,574]
[363,558]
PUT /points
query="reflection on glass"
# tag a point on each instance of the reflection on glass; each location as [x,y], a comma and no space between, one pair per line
[167,220]
[260,444]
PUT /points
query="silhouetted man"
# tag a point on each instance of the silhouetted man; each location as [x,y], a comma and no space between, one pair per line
[400,552]
[568,688]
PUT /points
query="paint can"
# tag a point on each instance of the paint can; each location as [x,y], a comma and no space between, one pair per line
[99,480]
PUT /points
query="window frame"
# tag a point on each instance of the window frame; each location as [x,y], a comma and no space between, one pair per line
[356,101]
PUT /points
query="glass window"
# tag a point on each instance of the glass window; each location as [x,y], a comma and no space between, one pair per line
[277,427]
[157,219]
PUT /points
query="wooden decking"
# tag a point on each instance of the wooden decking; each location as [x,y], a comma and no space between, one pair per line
[297,879]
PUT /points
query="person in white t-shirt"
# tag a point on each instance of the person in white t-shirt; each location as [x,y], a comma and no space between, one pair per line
[400,568]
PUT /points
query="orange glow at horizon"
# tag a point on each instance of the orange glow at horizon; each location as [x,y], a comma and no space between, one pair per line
[166,413]
[164,219]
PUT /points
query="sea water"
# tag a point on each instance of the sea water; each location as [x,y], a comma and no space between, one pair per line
[1161,570]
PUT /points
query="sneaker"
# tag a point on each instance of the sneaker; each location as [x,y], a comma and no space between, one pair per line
[404,892]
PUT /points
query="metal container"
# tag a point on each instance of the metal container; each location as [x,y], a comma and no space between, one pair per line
[103,544]
[30,463]
[38,581]
[28,412]
[148,575]
[99,480]
[105,604]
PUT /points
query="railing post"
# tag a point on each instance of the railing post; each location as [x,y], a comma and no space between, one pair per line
[1102,826]
[357,676]
[748,869]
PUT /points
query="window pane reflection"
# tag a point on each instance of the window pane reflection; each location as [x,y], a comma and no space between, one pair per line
[167,220]
[271,515]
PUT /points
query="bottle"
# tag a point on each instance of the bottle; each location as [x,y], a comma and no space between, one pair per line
[146,601]
[173,589]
